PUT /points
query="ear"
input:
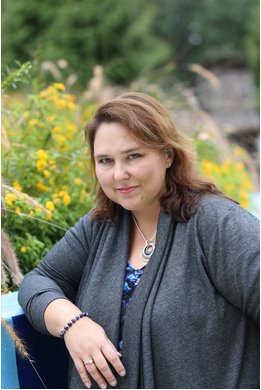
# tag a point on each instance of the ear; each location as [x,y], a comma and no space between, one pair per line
[170,157]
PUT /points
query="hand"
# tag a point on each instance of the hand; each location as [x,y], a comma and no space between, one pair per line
[86,341]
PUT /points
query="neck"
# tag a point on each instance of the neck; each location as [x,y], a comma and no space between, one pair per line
[147,222]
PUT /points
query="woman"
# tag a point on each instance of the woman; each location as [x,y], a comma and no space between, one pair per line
[166,266]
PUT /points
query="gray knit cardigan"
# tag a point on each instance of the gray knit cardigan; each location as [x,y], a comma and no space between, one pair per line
[193,320]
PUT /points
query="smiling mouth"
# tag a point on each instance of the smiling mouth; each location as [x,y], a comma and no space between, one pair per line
[126,190]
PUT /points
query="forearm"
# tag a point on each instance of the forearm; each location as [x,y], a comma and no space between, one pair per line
[58,313]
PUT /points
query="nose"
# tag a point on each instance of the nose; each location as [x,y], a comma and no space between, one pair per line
[120,172]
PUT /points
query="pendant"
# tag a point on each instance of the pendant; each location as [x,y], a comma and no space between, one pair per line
[147,251]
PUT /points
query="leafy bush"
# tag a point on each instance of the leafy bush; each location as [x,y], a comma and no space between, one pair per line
[47,165]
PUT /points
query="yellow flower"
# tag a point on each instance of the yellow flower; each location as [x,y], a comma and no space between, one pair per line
[17,186]
[48,217]
[51,118]
[51,89]
[70,126]
[41,124]
[61,193]
[26,114]
[66,199]
[18,210]
[207,167]
[41,164]
[80,164]
[65,187]
[21,197]
[247,185]
[52,167]
[244,204]
[42,94]
[49,205]
[53,97]
[243,194]
[42,187]
[216,169]
[59,86]
[51,162]
[57,129]
[32,122]
[239,151]
[71,98]
[51,182]
[10,198]
[32,155]
[46,173]
[71,105]
[84,193]
[56,200]
[32,213]
[229,187]
[42,154]
[38,209]
[240,166]
[23,249]
[77,181]
[56,195]
[61,138]
[60,103]
[65,147]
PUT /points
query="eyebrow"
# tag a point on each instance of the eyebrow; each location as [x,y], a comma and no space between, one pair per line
[123,152]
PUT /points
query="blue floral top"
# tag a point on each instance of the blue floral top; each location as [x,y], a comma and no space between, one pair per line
[132,278]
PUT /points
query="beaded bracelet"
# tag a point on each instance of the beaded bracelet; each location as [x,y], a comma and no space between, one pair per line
[76,318]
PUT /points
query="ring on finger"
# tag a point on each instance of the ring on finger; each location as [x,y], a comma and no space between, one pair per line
[89,362]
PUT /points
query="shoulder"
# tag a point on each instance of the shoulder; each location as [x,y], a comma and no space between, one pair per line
[92,226]
[218,214]
[214,208]
[85,228]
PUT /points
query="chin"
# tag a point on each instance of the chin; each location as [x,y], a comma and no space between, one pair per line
[129,206]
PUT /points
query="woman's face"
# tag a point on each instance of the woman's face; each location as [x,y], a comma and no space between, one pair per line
[130,174]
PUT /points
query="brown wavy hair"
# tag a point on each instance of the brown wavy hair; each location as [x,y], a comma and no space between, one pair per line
[152,126]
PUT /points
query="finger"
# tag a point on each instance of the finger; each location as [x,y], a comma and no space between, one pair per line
[104,369]
[95,373]
[112,355]
[80,367]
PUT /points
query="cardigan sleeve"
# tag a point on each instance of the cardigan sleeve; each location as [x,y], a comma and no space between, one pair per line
[58,275]
[232,249]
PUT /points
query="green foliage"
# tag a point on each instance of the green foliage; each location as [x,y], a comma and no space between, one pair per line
[217,28]
[252,44]
[48,166]
[229,174]
[116,34]
[22,75]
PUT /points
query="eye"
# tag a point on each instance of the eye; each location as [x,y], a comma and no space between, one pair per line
[133,156]
[105,161]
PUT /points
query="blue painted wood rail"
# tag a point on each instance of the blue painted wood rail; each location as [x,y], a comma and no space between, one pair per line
[48,353]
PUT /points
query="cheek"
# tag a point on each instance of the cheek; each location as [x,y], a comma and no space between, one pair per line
[100,175]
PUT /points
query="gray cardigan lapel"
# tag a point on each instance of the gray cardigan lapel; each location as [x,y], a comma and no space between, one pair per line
[137,344]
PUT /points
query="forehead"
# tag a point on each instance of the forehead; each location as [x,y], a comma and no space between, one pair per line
[112,134]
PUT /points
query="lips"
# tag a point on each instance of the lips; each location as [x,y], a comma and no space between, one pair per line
[127,190]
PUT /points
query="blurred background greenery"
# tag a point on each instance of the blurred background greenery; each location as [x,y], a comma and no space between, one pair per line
[60,59]
[131,38]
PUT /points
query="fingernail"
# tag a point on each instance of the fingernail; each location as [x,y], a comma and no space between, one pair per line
[119,354]
[87,385]
[122,373]
[103,386]
[113,383]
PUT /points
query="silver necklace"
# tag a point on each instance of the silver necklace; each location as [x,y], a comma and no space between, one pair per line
[149,244]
